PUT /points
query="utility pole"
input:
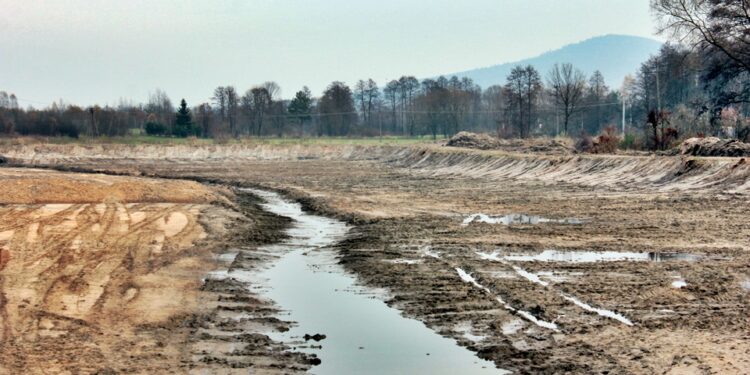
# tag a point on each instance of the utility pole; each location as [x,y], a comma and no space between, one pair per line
[623,113]
[557,123]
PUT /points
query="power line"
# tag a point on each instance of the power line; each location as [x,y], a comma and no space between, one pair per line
[549,110]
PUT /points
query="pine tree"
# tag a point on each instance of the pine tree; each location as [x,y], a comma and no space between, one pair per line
[183,125]
[301,107]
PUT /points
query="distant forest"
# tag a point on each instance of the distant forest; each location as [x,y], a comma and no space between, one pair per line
[699,87]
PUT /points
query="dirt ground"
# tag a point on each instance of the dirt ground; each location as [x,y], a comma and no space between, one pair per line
[104,274]
[408,206]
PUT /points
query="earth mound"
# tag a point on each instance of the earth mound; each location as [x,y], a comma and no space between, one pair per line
[713,146]
[488,142]
[474,140]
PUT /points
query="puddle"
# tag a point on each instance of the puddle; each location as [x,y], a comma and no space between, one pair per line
[517,219]
[679,284]
[363,334]
[593,256]
[558,276]
[403,261]
[466,330]
[228,257]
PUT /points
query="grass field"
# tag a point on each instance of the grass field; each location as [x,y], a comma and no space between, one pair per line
[146,139]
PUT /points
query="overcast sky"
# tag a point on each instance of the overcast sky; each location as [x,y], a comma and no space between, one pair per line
[97,51]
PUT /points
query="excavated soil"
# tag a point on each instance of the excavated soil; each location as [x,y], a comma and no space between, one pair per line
[662,314]
[103,274]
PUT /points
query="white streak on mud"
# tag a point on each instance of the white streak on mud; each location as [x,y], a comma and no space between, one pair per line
[495,256]
[534,278]
[427,251]
[605,313]
[466,277]
[470,279]
[541,323]
[597,256]
[403,261]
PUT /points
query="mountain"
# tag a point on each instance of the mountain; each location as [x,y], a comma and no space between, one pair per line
[614,55]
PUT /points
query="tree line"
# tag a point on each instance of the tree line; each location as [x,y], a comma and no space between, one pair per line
[698,87]
[436,107]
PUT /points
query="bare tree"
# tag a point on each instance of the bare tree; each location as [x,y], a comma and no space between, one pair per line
[524,86]
[627,95]
[408,87]
[391,93]
[233,104]
[273,90]
[494,101]
[567,85]
[366,94]
[220,100]
[723,25]
[161,106]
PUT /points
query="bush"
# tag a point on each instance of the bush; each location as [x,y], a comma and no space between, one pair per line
[605,143]
[584,143]
[185,130]
[155,128]
[68,130]
[628,142]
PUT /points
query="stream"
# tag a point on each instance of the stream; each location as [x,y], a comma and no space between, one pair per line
[363,335]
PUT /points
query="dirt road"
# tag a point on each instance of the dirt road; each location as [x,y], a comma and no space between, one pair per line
[676,302]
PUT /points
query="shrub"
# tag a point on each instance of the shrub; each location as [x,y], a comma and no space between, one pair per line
[629,142]
[155,128]
[584,143]
[605,143]
[68,130]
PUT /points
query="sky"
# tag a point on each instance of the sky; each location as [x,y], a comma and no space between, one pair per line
[102,51]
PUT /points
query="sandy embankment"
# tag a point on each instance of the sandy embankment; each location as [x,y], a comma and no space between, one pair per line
[97,271]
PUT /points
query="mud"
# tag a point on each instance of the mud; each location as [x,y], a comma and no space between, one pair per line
[406,206]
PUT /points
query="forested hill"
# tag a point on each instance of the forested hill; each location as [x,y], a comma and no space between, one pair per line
[614,55]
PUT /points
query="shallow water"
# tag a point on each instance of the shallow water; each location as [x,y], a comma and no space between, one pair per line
[599,256]
[517,219]
[363,334]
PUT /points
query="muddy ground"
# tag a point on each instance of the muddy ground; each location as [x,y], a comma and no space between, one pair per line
[408,206]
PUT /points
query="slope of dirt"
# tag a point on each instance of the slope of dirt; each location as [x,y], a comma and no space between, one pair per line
[713,146]
[489,142]
[105,274]
[651,174]
[409,205]
[29,186]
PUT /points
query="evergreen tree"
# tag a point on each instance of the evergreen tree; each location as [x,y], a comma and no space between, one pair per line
[183,125]
[301,106]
